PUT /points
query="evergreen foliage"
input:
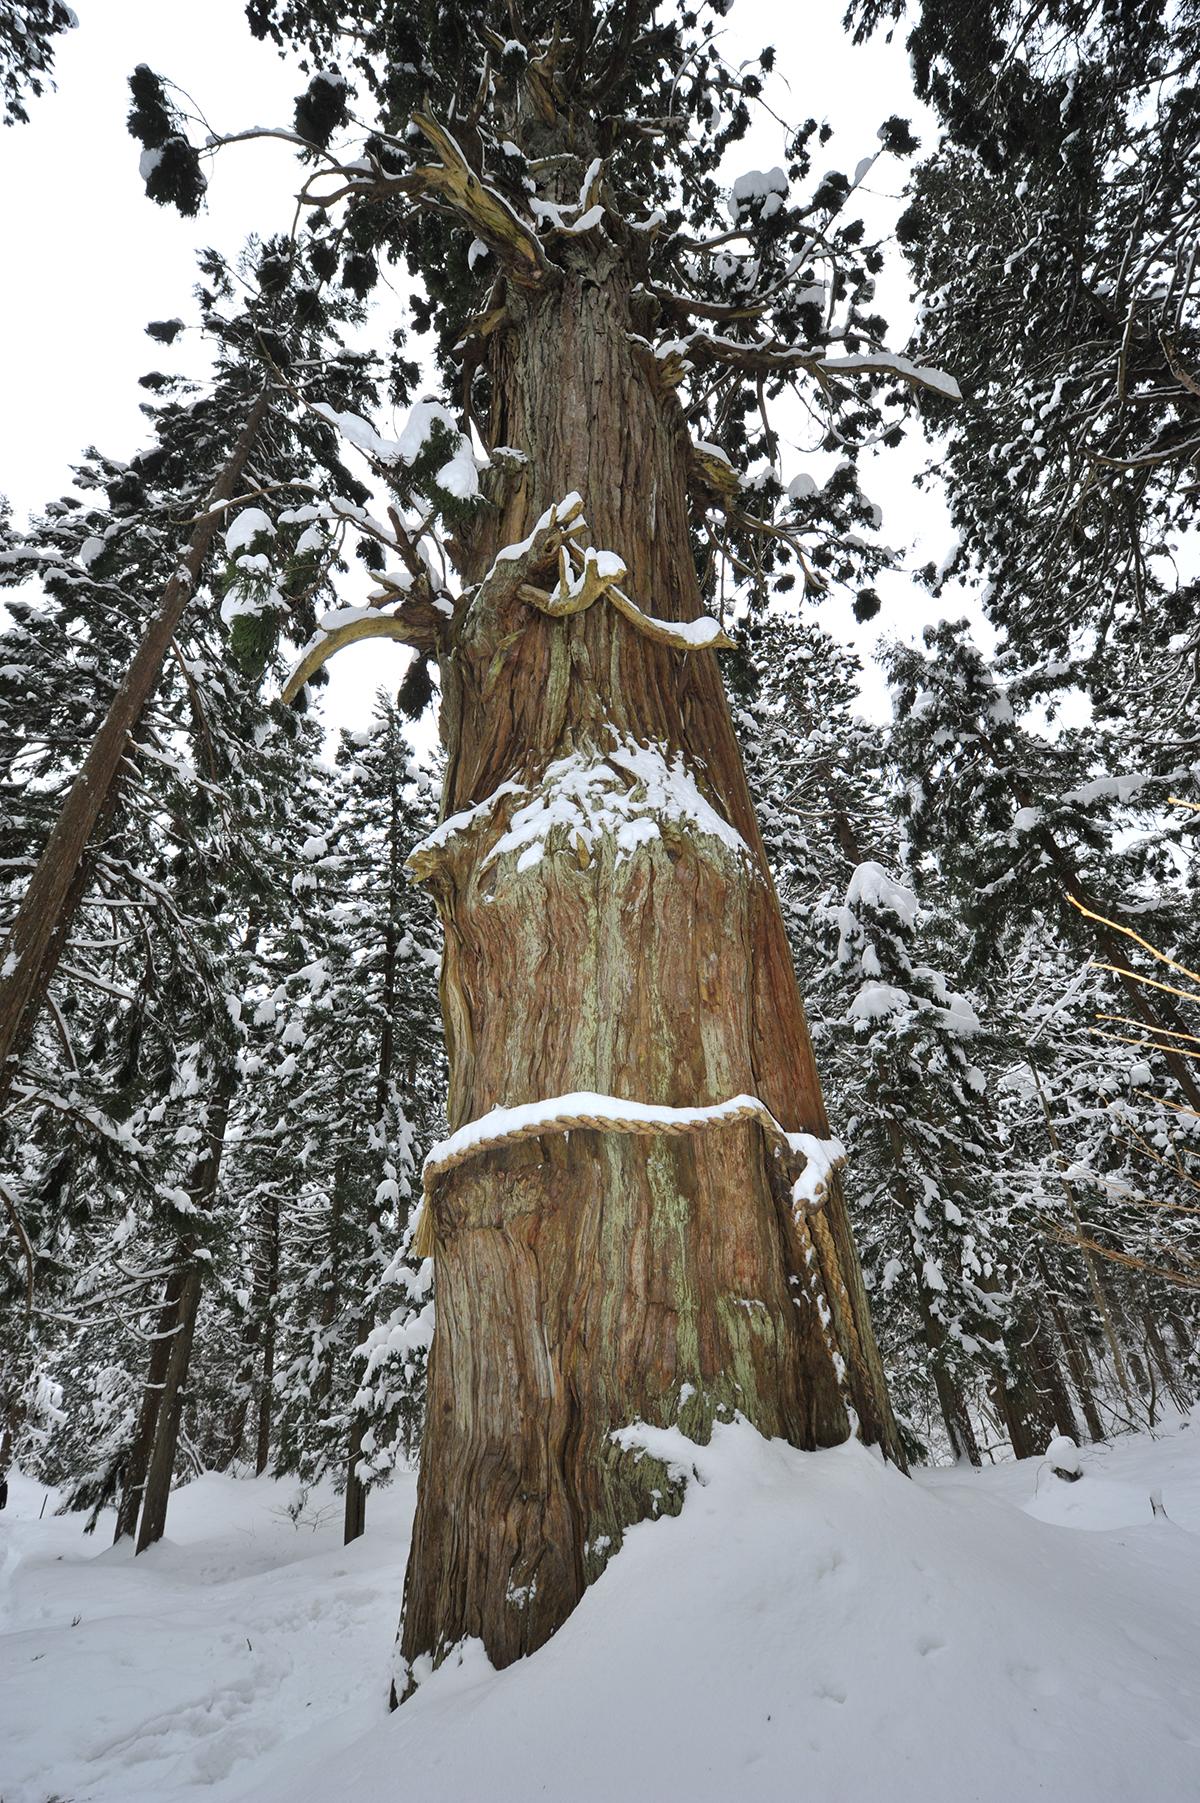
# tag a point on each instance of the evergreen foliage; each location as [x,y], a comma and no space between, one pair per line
[1053,239]
[432,138]
[28,29]
[137,1079]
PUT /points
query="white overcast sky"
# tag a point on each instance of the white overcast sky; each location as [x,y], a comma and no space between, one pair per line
[91,260]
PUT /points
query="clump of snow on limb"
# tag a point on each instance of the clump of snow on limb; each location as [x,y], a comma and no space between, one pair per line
[821,1156]
[458,476]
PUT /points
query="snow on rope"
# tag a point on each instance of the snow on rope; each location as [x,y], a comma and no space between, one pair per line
[589,1110]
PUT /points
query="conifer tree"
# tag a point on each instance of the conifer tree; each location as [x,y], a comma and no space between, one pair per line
[156,806]
[358,1092]
[613,325]
[911,1074]
[1052,235]
[1051,858]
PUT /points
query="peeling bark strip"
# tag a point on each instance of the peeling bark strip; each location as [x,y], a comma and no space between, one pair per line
[604,937]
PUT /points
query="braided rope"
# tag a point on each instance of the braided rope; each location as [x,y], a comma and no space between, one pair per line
[674,1123]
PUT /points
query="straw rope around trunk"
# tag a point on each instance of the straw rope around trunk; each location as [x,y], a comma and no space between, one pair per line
[565,1114]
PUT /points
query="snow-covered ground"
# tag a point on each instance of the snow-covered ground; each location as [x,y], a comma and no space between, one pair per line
[811,1625]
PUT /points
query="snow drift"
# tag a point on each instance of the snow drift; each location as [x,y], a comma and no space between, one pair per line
[811,1624]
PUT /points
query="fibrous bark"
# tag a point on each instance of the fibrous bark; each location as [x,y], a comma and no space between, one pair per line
[632,948]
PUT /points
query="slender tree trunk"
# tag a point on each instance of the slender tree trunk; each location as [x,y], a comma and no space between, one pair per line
[588,1281]
[161,1467]
[1077,1365]
[955,1413]
[9,1421]
[354,1521]
[1044,1355]
[257,1375]
[134,1479]
[40,928]
[331,1289]
[1157,1351]
[1076,1362]
[203,1190]
[266,1394]
[1095,1281]
[1182,1332]
[355,1517]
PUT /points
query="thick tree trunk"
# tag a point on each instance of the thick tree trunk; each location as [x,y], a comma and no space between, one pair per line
[1023,1437]
[587,1281]
[1026,1408]
[1044,1354]
[42,922]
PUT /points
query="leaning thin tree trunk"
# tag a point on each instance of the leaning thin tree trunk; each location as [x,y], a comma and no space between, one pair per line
[588,1281]
[40,928]
[170,1411]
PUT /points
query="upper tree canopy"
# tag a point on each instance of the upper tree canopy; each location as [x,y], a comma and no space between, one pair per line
[494,151]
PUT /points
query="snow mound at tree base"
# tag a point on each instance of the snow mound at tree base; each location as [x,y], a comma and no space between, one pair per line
[817,1625]
[811,1625]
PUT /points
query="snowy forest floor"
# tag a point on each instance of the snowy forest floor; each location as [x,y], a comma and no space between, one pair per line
[811,1625]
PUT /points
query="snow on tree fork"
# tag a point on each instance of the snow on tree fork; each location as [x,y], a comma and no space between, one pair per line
[588,1110]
